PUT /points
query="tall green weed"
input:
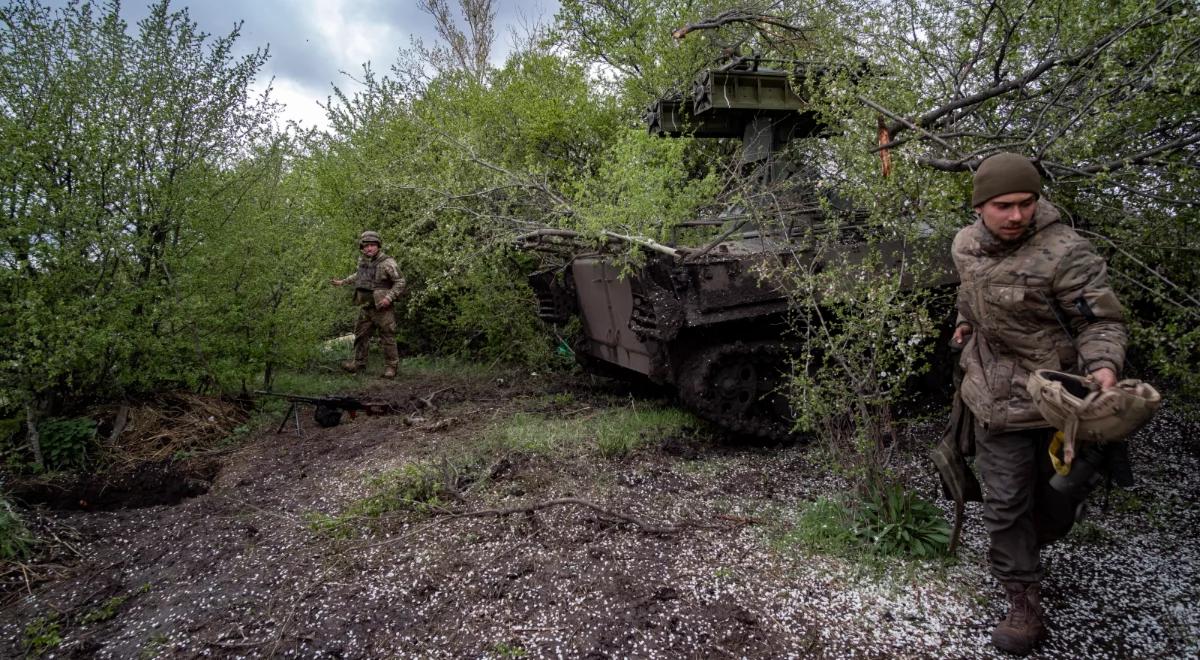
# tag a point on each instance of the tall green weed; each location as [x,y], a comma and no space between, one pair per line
[889,522]
[16,541]
[68,444]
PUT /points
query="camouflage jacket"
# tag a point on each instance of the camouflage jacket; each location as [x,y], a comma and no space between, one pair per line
[376,279]
[1008,294]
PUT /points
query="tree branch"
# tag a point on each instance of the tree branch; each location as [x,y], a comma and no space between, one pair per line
[736,16]
[929,118]
[646,527]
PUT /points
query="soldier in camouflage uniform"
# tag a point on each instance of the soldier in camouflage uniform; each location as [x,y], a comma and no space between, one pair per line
[1025,278]
[377,285]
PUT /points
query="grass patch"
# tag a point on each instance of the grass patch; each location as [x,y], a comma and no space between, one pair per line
[507,650]
[613,432]
[314,383]
[620,431]
[433,365]
[892,522]
[327,377]
[527,433]
[104,611]
[1126,501]
[154,646]
[824,526]
[42,635]
[1089,533]
[417,487]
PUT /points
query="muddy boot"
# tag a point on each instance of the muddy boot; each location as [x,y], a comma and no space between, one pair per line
[1024,626]
[351,367]
[389,372]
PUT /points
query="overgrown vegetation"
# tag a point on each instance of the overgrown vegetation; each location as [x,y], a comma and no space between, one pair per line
[161,233]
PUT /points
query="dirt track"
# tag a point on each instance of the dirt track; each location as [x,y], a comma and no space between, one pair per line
[242,571]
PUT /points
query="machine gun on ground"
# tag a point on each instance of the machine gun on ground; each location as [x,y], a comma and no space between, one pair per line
[327,410]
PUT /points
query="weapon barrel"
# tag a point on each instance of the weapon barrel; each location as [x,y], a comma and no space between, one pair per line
[340,402]
[299,398]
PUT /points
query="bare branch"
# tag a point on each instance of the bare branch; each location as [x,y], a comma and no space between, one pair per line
[468,50]
[737,16]
[903,122]
[1132,159]
[646,527]
[930,118]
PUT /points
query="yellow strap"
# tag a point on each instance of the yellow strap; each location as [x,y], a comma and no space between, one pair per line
[1055,448]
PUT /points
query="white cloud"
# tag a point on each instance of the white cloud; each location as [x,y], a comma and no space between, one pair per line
[301,101]
[353,37]
[313,41]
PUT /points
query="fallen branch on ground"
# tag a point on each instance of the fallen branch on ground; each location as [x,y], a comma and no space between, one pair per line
[646,527]
[428,401]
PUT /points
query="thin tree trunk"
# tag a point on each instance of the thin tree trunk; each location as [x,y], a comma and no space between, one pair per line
[32,434]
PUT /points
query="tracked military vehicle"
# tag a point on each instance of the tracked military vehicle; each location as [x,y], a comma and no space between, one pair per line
[711,319]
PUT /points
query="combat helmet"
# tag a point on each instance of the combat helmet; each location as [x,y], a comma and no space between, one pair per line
[1083,411]
[369,237]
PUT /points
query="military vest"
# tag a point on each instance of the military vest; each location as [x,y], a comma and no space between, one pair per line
[371,278]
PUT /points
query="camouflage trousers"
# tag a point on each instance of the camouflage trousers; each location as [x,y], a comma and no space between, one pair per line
[370,319]
[1021,511]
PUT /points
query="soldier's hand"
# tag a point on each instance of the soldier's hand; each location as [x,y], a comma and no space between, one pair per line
[1107,378]
[384,303]
[336,282]
[961,333]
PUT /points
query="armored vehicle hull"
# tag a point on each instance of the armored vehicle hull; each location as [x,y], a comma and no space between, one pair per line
[712,320]
[712,326]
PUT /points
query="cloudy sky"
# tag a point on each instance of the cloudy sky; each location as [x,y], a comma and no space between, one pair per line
[312,41]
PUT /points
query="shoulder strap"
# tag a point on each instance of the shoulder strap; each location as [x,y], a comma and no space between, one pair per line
[1058,314]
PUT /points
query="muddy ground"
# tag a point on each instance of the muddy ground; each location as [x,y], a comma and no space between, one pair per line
[676,550]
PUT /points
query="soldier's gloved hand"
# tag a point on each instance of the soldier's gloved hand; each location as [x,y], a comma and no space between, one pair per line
[1107,378]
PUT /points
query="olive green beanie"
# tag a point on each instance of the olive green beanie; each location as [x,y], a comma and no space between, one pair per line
[1005,173]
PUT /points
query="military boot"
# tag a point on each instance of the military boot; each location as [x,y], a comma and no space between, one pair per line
[1024,626]
[389,372]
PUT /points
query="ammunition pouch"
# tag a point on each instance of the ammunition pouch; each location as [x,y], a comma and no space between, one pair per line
[364,298]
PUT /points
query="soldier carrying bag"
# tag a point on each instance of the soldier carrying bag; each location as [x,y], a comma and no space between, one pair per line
[949,456]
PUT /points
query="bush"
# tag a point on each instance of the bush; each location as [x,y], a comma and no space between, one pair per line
[67,443]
